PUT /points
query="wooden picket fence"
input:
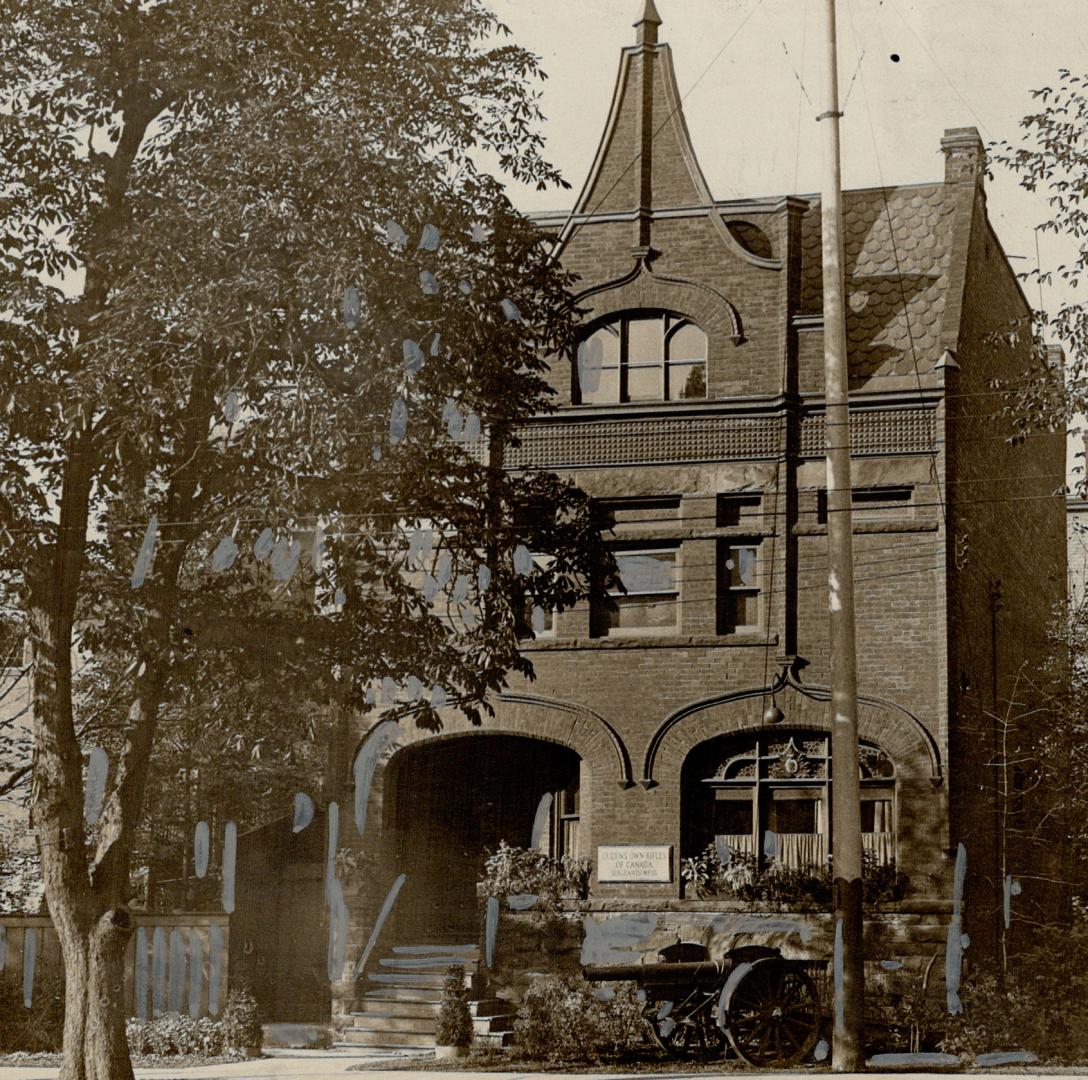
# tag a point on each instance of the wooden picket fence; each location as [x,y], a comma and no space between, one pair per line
[174,963]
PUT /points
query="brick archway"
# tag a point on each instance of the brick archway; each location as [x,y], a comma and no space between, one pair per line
[887,725]
[581,730]
[642,288]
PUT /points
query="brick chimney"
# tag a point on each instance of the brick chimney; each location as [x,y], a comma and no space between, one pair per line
[964,156]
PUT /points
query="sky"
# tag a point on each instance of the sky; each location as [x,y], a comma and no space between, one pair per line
[751,76]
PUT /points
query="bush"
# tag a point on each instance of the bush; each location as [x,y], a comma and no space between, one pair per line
[176,1034]
[1042,1005]
[511,871]
[454,1018]
[743,878]
[905,1012]
[241,1027]
[564,1020]
[39,1028]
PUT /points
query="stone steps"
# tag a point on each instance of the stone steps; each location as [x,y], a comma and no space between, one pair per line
[401,1010]
[407,993]
[385,1038]
[415,979]
[468,951]
[387,1006]
[424,965]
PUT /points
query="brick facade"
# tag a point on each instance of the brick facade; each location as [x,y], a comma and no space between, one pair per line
[955,512]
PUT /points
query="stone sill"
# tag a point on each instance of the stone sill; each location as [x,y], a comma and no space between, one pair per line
[608,904]
[665,641]
[904,526]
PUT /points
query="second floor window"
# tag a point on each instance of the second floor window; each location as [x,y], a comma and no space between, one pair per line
[738,587]
[641,356]
[650,604]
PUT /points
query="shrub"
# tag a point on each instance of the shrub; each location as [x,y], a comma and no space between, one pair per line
[564,1020]
[176,1034]
[1041,1006]
[743,878]
[905,1011]
[510,871]
[241,1026]
[39,1028]
[135,1031]
[454,1018]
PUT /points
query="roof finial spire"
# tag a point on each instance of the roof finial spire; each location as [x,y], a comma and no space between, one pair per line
[647,24]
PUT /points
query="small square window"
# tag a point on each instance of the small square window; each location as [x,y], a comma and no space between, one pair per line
[872,504]
[740,509]
[794,814]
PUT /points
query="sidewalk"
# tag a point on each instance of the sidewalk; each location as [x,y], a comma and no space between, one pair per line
[310,1064]
[335,1065]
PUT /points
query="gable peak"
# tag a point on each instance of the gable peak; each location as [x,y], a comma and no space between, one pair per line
[647,23]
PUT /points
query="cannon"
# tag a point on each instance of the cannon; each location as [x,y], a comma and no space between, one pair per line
[754,1001]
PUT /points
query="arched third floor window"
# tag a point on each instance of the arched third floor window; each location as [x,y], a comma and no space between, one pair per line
[641,356]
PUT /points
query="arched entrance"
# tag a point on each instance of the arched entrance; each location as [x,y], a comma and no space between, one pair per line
[452,800]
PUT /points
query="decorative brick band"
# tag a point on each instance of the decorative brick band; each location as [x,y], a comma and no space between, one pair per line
[875,432]
[560,444]
[556,444]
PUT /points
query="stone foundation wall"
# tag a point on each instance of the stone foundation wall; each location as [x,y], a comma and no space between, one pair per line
[906,938]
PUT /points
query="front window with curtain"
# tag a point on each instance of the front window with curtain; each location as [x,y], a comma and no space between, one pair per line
[768,795]
[641,356]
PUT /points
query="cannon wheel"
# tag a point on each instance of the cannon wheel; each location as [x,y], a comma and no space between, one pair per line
[773,1019]
[688,1033]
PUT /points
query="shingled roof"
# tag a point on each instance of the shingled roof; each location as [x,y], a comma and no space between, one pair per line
[898,247]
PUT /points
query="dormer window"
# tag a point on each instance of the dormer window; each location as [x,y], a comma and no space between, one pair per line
[641,356]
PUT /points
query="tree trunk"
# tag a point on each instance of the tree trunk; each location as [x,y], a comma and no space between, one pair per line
[92,924]
[95,1047]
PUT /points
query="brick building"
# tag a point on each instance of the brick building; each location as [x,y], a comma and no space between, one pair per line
[691,711]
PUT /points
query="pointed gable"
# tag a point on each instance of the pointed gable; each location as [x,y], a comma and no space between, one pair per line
[645,159]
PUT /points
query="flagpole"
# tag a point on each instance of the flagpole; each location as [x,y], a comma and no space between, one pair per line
[847,1052]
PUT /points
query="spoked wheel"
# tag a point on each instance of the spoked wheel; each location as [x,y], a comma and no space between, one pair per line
[774,1016]
[691,1034]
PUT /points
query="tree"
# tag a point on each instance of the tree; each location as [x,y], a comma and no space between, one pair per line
[266,329]
[226,750]
[1051,157]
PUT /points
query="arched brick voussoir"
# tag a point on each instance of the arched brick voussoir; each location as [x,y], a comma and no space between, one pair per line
[581,730]
[642,288]
[894,729]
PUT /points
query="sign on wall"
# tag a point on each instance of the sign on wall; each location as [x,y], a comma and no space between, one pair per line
[634,862]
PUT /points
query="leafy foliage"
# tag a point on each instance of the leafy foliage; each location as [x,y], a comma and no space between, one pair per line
[241,1026]
[906,1011]
[567,1021]
[513,871]
[1051,157]
[177,1034]
[744,878]
[266,333]
[1041,1005]
[454,1019]
[39,1028]
[20,874]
